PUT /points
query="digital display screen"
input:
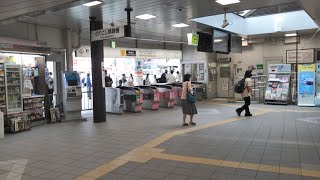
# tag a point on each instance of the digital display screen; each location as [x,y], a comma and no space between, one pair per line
[221,41]
[72,78]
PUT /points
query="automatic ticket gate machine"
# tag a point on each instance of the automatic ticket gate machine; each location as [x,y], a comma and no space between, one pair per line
[167,95]
[151,97]
[199,90]
[114,100]
[177,89]
[132,98]
[72,96]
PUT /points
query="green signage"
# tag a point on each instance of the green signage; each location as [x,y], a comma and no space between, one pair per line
[195,39]
[113,44]
[259,66]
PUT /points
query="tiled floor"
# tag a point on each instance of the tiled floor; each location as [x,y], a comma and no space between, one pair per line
[280,142]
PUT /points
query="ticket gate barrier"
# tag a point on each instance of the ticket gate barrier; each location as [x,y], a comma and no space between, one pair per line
[114,100]
[151,97]
[132,98]
[167,95]
[199,90]
[177,89]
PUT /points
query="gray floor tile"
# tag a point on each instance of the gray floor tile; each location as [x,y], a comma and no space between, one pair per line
[289,177]
[221,176]
[175,177]
[155,175]
[51,175]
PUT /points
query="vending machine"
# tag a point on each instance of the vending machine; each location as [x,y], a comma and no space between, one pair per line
[72,96]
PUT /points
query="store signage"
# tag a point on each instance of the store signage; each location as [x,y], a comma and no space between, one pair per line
[279,68]
[24,48]
[193,39]
[131,53]
[139,53]
[306,84]
[104,34]
[304,56]
[227,59]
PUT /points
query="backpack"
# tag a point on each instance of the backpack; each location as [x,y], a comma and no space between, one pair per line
[240,86]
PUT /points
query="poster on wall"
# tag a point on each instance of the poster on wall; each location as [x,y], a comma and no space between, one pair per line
[317,99]
[306,85]
[304,56]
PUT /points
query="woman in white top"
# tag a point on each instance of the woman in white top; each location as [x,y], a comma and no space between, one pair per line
[130,81]
[147,81]
[187,107]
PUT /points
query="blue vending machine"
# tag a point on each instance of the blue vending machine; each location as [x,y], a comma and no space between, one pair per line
[72,96]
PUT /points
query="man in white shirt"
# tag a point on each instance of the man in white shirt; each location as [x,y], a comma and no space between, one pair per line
[171,78]
[246,94]
[179,77]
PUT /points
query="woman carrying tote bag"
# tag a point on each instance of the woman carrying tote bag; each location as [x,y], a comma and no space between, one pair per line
[188,100]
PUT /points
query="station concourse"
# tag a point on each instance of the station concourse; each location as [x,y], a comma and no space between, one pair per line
[96,89]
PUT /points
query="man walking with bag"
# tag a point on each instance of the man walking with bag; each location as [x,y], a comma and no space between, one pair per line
[246,94]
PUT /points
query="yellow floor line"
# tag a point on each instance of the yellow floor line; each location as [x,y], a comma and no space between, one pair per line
[148,151]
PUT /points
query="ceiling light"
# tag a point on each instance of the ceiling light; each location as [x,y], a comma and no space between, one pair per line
[242,39]
[145,16]
[181,25]
[244,12]
[92,3]
[227,2]
[291,34]
[218,40]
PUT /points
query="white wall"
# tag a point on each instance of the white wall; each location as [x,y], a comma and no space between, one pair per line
[53,36]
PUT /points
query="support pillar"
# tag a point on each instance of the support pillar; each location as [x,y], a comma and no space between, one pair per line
[99,110]
[69,50]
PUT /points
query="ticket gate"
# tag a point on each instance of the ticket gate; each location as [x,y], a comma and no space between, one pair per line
[132,98]
[177,89]
[199,90]
[167,95]
[114,100]
[151,97]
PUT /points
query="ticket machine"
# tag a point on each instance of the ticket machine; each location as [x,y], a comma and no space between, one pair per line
[72,96]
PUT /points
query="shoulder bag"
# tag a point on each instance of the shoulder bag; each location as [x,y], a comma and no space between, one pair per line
[190,97]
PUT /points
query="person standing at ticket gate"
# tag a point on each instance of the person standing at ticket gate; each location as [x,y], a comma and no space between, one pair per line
[171,78]
[131,81]
[89,85]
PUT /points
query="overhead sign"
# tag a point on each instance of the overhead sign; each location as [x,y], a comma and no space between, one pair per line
[113,44]
[104,34]
[84,51]
[193,39]
[131,53]
[304,56]
[227,59]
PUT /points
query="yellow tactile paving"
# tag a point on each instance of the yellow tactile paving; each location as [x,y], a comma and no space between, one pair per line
[148,151]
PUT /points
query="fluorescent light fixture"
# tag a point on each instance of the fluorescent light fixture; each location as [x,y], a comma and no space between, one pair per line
[244,12]
[291,34]
[145,16]
[242,39]
[92,3]
[180,25]
[217,40]
[227,2]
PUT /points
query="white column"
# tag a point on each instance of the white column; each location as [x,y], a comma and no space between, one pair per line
[69,50]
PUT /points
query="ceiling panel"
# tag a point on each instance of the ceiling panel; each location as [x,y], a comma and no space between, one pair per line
[167,12]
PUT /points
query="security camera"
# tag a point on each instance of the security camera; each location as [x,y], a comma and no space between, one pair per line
[225,23]
[179,9]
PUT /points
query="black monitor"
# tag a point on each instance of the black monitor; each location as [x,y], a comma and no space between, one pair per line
[221,41]
[205,42]
[236,44]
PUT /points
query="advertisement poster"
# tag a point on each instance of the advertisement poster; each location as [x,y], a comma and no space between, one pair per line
[279,68]
[306,85]
[317,100]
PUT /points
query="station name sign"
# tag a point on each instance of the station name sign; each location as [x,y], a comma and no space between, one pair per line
[104,34]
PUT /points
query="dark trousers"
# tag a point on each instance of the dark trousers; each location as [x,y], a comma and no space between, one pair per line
[246,105]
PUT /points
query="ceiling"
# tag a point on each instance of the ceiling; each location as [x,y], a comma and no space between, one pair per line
[71,14]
